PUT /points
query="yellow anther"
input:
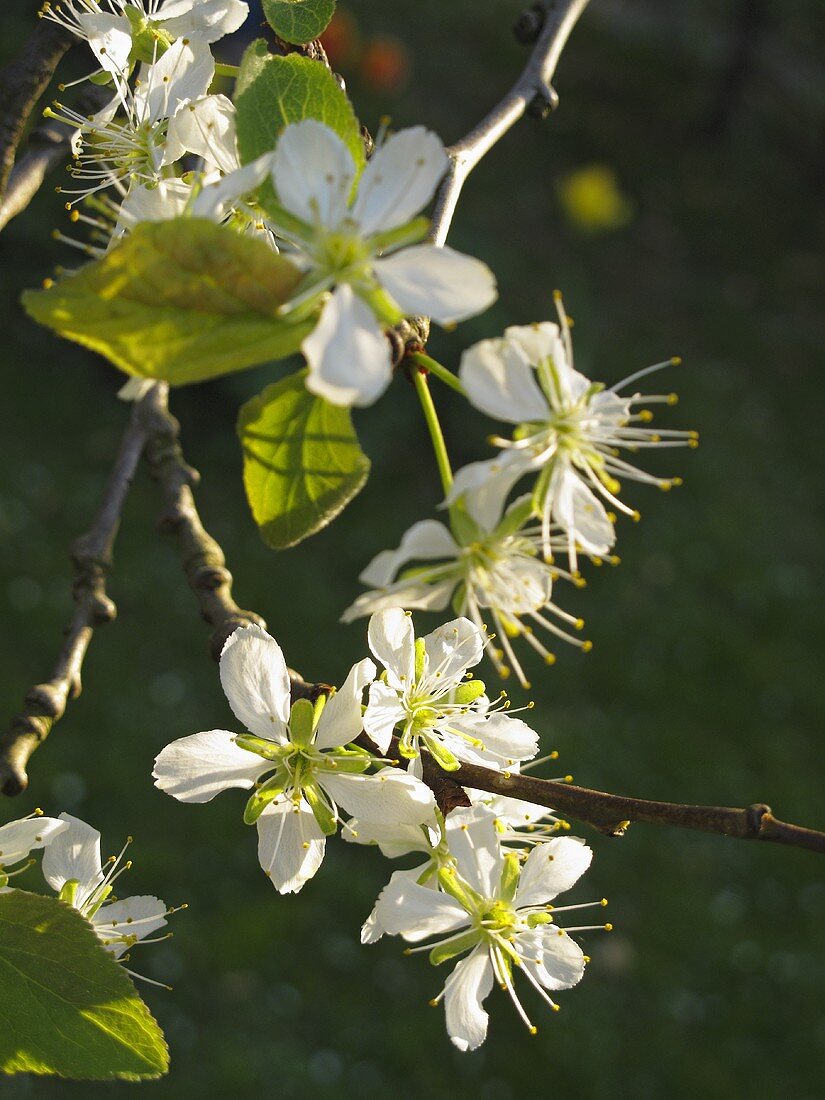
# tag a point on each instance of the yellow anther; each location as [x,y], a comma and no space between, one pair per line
[568,779]
[603,902]
[549,658]
[579,624]
[636,516]
[645,415]
[587,646]
[676,361]
[608,928]
[673,399]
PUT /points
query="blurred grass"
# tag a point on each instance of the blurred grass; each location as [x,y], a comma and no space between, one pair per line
[705,682]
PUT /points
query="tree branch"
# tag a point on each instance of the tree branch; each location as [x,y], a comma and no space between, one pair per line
[22,83]
[554,20]
[91,555]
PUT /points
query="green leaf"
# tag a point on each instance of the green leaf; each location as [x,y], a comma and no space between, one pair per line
[66,1007]
[274,92]
[182,300]
[302,461]
[299,21]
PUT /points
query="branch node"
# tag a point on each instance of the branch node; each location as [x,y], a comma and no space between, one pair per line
[528,25]
[543,103]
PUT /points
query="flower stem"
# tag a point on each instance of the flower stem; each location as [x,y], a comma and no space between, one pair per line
[436,368]
[422,388]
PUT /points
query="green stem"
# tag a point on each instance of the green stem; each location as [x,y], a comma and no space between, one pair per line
[226,70]
[436,368]
[422,388]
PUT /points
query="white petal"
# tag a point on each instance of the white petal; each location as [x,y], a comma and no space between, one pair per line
[464,993]
[166,200]
[426,540]
[392,641]
[551,868]
[196,768]
[183,73]
[414,912]
[313,173]
[501,382]
[510,738]
[399,179]
[577,508]
[256,682]
[74,854]
[473,840]
[216,198]
[384,711]
[341,720]
[207,129]
[110,37]
[394,839]
[18,838]
[485,486]
[348,354]
[410,595]
[290,845]
[390,796]
[541,340]
[137,916]
[553,958]
[451,649]
[207,20]
[373,927]
[438,282]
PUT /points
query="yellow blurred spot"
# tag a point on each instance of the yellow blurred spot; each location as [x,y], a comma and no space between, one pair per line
[592,200]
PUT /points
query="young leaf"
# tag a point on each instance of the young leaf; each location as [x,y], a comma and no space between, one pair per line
[302,461]
[273,92]
[181,300]
[299,21]
[66,1007]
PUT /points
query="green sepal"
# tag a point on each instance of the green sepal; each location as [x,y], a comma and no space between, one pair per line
[273,788]
[269,750]
[101,79]
[347,761]
[327,821]
[382,305]
[301,723]
[149,41]
[451,883]
[441,754]
[443,952]
[406,746]
[101,897]
[467,693]
[402,236]
[540,489]
[465,529]
[420,659]
[4,880]
[68,891]
[510,876]
[516,516]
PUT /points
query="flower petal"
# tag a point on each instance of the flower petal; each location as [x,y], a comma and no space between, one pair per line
[348,354]
[451,649]
[393,838]
[399,179]
[553,958]
[438,282]
[207,129]
[484,486]
[18,838]
[207,20]
[577,508]
[74,854]
[373,927]
[313,172]
[551,868]
[464,993]
[134,917]
[183,73]
[384,711]
[507,737]
[196,768]
[410,594]
[341,719]
[426,540]
[110,37]
[541,340]
[501,382]
[256,682]
[389,796]
[290,845]
[392,641]
[414,912]
[473,840]
[215,199]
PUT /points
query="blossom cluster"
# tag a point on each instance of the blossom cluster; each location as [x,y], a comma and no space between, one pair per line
[487,875]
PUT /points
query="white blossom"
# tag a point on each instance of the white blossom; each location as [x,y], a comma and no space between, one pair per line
[425,694]
[303,749]
[73,868]
[491,567]
[358,239]
[495,911]
[570,432]
[19,838]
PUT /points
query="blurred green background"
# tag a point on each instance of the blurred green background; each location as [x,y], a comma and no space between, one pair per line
[675,198]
